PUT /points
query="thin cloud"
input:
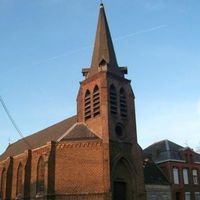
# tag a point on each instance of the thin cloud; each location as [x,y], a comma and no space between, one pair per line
[140,32]
[61,55]
[123,37]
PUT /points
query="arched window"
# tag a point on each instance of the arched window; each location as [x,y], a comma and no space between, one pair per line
[96,101]
[40,175]
[3,184]
[123,105]
[113,100]
[19,180]
[87,105]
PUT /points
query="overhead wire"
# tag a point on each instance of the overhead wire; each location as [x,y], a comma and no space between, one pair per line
[13,122]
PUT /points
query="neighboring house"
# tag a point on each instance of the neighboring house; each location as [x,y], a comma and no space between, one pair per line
[93,155]
[181,165]
[156,184]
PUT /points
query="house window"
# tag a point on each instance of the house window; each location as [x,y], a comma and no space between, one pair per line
[185,176]
[187,196]
[165,197]
[153,197]
[195,176]
[176,175]
[19,180]
[113,100]
[3,183]
[197,195]
[96,101]
[40,175]
[123,105]
[87,105]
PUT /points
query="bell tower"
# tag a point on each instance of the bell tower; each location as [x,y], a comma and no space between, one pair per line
[105,103]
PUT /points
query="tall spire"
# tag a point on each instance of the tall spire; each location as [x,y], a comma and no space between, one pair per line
[103,58]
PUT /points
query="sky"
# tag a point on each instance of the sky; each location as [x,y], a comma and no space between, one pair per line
[44,44]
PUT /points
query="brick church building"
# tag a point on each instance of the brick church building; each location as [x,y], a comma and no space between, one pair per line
[93,155]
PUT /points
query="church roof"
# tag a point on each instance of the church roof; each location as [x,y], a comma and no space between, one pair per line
[53,133]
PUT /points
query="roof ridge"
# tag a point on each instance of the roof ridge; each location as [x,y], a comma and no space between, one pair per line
[40,138]
[68,131]
[39,132]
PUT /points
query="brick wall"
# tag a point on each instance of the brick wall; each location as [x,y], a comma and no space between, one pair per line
[181,188]
[80,168]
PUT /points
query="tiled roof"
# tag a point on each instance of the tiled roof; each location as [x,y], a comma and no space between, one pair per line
[40,138]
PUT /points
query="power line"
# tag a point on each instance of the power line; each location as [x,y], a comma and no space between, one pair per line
[13,122]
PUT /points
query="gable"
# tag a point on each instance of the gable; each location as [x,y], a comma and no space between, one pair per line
[77,132]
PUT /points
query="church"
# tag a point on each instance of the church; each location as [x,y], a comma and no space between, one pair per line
[93,155]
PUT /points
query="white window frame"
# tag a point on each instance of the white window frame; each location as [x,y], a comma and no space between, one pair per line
[176,175]
[197,195]
[195,176]
[187,196]
[185,176]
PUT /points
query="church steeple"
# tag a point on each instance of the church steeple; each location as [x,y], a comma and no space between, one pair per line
[103,58]
[103,47]
[106,105]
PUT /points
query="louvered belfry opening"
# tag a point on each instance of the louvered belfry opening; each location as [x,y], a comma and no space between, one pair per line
[96,101]
[113,100]
[123,105]
[87,105]
[19,180]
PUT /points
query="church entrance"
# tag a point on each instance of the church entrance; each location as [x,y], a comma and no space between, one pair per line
[119,191]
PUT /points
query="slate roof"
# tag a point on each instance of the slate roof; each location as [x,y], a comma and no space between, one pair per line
[166,150]
[153,175]
[52,133]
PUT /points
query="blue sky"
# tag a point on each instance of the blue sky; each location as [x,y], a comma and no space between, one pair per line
[44,44]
